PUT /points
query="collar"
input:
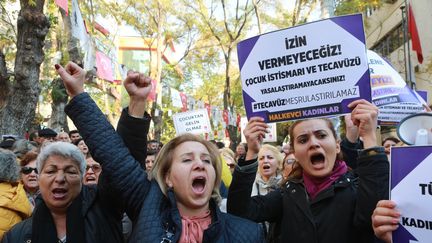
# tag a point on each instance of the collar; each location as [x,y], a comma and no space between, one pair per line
[173,221]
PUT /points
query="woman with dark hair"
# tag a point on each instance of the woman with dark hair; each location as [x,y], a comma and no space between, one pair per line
[30,176]
[389,142]
[82,146]
[287,165]
[321,201]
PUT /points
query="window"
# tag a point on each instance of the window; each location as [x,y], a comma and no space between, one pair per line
[390,42]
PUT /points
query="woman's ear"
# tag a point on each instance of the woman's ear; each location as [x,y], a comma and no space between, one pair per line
[338,149]
[168,180]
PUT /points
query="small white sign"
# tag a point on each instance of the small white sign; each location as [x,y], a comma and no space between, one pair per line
[270,137]
[196,122]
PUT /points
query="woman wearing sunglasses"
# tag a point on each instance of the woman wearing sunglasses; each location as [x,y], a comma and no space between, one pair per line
[287,165]
[29,176]
[92,172]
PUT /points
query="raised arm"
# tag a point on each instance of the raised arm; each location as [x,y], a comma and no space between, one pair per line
[351,144]
[372,164]
[123,174]
[240,202]
[134,122]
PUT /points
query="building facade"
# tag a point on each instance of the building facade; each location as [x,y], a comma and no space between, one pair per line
[385,35]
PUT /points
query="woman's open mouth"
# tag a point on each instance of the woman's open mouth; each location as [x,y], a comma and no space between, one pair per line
[90,179]
[199,184]
[317,160]
[59,193]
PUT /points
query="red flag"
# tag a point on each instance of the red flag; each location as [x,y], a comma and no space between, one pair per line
[62,4]
[152,95]
[101,29]
[208,107]
[104,67]
[225,117]
[412,28]
[184,101]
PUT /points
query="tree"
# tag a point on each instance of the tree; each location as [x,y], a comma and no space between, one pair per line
[69,52]
[19,109]
[356,6]
[227,32]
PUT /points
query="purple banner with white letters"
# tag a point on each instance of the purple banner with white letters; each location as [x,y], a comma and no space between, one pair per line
[311,70]
[411,189]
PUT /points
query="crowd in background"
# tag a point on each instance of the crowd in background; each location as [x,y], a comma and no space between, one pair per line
[128,185]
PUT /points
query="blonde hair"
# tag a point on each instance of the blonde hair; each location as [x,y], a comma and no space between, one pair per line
[276,153]
[165,159]
[227,152]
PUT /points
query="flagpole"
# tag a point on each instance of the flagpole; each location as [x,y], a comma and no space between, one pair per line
[405,34]
[407,52]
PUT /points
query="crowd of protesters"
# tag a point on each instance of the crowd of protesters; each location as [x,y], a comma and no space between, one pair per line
[96,184]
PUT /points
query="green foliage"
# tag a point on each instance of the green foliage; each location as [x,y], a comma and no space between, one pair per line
[356,6]
[168,130]
[58,92]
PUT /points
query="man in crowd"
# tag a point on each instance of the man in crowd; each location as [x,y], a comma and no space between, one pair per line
[74,135]
[150,159]
[46,134]
[7,142]
[153,145]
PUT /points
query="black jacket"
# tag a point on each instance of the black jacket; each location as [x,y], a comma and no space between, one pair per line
[101,219]
[340,213]
[154,215]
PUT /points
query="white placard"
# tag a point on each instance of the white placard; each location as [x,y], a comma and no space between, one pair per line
[196,122]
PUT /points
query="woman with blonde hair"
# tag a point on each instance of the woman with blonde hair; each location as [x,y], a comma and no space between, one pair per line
[269,170]
[179,203]
[229,157]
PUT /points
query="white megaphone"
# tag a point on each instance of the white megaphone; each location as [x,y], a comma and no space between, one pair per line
[416,129]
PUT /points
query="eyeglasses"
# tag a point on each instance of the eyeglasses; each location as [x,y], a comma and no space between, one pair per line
[290,161]
[96,168]
[27,170]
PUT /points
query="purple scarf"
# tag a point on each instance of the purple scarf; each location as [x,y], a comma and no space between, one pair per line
[316,185]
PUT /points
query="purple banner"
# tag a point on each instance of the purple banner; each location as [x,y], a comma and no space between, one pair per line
[311,70]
